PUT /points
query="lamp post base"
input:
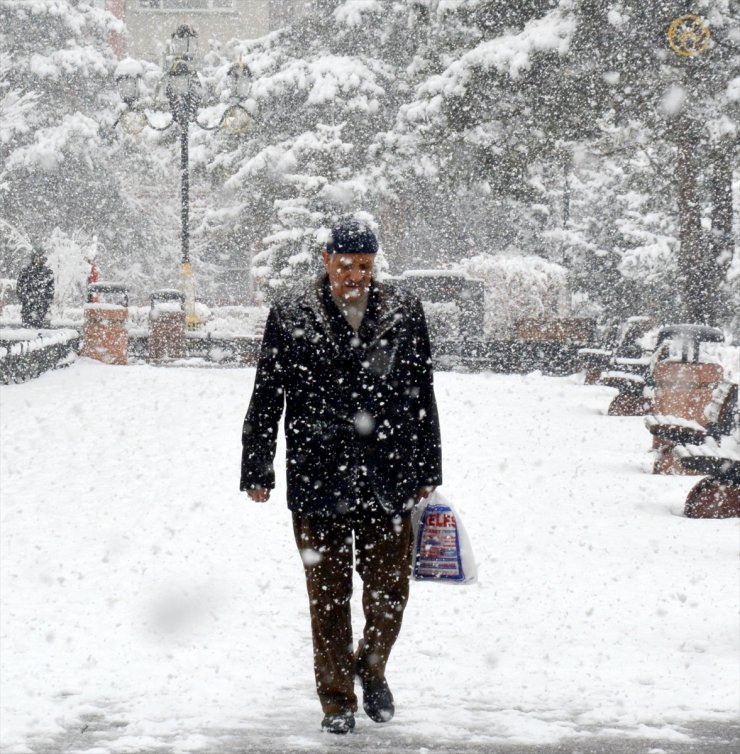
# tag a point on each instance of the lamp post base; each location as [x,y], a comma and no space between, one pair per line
[192,320]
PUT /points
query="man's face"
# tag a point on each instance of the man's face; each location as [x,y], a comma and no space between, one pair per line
[349,274]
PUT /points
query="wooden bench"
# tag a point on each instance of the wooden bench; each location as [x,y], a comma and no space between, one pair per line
[718,494]
[646,385]
[669,430]
[559,330]
[619,342]
[634,381]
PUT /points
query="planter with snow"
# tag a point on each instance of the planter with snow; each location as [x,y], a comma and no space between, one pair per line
[167,325]
[105,333]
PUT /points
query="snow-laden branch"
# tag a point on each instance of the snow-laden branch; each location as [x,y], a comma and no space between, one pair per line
[325,81]
[47,151]
[508,54]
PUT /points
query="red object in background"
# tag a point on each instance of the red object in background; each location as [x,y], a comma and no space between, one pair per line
[115,38]
[93,277]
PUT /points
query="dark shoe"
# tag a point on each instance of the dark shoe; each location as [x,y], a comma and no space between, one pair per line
[338,722]
[377,700]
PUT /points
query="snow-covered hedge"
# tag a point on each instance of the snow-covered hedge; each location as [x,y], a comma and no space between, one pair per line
[27,353]
[24,340]
[517,286]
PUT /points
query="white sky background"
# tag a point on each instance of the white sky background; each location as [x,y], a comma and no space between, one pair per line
[140,587]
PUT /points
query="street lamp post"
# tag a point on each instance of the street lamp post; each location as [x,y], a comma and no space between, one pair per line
[184,93]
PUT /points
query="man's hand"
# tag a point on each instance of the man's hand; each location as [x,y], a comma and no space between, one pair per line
[259,494]
[424,492]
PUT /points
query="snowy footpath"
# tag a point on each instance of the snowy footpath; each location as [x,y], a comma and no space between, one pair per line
[148,606]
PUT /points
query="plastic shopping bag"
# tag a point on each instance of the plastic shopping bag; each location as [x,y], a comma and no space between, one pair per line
[442,550]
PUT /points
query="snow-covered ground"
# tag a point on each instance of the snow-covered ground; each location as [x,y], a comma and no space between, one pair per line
[147,605]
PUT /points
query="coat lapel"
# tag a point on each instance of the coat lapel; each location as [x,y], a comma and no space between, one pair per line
[384,313]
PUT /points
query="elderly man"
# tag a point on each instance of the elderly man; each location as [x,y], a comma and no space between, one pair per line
[350,359]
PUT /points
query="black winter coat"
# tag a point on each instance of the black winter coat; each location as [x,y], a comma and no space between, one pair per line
[357,405]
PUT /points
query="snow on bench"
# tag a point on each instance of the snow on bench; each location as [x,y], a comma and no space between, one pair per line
[669,430]
[726,448]
[719,459]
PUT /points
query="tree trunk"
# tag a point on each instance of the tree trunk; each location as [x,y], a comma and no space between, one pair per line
[721,239]
[567,162]
[692,250]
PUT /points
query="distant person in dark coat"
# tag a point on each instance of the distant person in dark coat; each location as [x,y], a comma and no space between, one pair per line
[350,359]
[35,289]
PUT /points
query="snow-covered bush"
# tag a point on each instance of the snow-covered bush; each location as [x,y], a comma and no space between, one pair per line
[70,258]
[517,286]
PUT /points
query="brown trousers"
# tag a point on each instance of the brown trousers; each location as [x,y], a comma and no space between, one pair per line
[382,546]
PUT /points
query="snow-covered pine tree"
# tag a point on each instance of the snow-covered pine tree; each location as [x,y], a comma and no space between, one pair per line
[620,235]
[525,87]
[57,168]
[323,89]
[475,133]
[460,123]
[683,108]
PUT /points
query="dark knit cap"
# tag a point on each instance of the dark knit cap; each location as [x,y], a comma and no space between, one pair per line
[350,236]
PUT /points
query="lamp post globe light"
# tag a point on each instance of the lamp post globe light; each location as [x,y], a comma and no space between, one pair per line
[184,93]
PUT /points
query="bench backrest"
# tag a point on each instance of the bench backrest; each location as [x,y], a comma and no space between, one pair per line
[684,389]
[631,331]
[721,411]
